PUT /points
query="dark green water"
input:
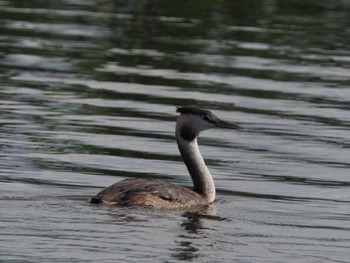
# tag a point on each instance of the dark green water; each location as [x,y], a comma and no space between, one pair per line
[88,91]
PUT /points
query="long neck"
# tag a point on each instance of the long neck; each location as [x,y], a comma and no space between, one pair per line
[202,180]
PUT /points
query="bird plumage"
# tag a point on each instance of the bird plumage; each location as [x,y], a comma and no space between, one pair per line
[149,193]
[161,194]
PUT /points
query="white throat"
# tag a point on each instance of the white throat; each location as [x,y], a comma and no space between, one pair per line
[202,180]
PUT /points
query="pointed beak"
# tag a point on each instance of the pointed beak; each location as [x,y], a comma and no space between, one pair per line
[226,125]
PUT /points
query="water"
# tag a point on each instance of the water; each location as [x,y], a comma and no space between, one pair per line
[88,94]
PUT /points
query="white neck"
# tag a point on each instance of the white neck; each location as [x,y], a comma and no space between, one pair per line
[202,180]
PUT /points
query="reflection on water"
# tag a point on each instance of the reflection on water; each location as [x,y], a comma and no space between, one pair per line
[87,97]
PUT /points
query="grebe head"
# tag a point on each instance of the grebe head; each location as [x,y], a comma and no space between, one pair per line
[194,120]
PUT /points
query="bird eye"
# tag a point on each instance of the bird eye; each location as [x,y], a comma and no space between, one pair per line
[206,118]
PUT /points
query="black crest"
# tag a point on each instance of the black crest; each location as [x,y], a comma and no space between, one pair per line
[193,110]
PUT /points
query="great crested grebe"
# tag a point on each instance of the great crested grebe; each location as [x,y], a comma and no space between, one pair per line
[160,194]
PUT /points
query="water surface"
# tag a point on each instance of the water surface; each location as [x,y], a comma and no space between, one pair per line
[88,94]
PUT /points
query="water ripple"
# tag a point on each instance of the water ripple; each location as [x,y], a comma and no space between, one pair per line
[88,95]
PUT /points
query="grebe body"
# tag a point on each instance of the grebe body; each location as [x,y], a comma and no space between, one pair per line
[159,194]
